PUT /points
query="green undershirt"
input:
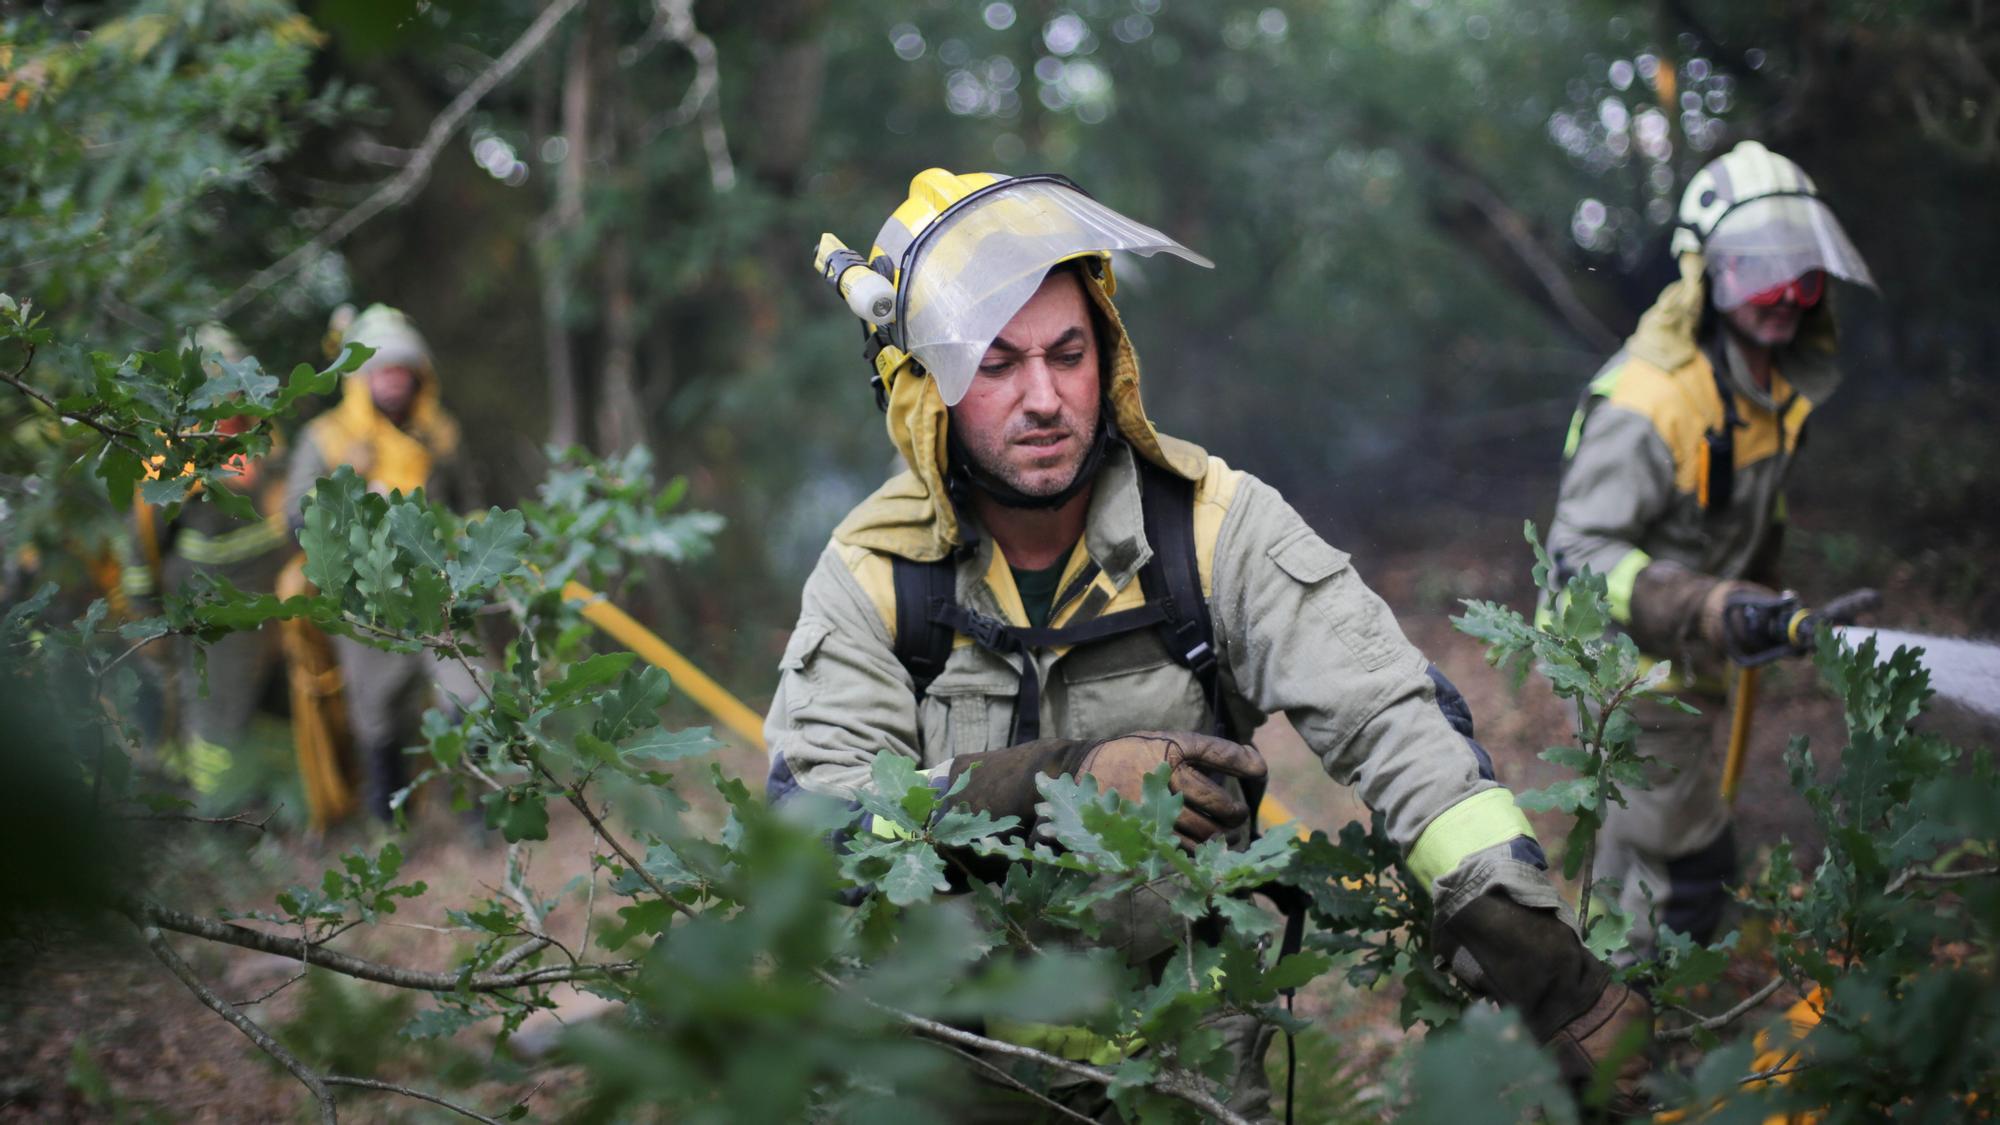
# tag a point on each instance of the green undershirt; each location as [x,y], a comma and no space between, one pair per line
[1038,590]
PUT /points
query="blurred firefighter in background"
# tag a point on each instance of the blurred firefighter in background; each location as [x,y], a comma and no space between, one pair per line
[1673,489]
[355,707]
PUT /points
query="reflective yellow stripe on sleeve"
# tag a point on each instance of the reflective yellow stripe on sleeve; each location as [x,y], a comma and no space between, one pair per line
[888,829]
[1479,822]
[1618,584]
[232,546]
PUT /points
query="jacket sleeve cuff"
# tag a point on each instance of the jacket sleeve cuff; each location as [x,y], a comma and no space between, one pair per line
[1487,819]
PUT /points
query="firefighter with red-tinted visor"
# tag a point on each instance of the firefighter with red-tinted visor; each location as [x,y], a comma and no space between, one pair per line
[1673,489]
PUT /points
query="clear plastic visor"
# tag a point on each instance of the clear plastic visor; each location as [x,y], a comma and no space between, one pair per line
[968,278]
[1770,241]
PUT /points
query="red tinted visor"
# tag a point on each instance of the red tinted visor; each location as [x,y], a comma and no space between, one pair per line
[1804,291]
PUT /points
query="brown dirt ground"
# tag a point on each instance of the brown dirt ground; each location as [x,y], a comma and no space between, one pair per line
[94,1030]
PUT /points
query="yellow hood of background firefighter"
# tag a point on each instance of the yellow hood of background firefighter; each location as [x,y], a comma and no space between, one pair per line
[356,433]
[1749,220]
[949,269]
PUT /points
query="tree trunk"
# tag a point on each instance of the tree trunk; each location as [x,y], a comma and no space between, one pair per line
[559,225]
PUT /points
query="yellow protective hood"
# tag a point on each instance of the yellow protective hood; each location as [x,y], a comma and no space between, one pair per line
[396,457]
[912,515]
[1666,336]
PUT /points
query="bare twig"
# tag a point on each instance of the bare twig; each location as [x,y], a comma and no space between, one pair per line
[157,942]
[391,1087]
[1166,1083]
[404,184]
[287,983]
[674,19]
[1783,1067]
[604,833]
[241,819]
[1014,1082]
[589,901]
[1712,1023]
[1918,874]
[360,968]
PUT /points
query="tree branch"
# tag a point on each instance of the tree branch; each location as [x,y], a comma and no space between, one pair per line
[406,183]
[362,969]
[1520,243]
[520,953]
[242,819]
[1015,1083]
[674,19]
[945,1033]
[391,1087]
[157,942]
[597,825]
[1712,1023]
[1916,874]
[14,380]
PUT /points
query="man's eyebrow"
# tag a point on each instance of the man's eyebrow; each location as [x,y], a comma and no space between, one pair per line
[1001,343]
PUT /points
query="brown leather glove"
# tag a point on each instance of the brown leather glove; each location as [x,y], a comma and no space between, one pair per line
[1531,959]
[1004,781]
[1586,1041]
[1121,764]
[1674,607]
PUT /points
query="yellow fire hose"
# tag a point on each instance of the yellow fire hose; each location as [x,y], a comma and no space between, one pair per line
[1739,732]
[711,696]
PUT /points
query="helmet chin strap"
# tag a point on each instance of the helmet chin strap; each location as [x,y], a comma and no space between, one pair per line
[964,470]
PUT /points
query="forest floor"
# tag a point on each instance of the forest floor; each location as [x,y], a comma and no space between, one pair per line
[92,1029]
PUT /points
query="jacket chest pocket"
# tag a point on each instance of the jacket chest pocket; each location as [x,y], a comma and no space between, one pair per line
[1125,684]
[970,706]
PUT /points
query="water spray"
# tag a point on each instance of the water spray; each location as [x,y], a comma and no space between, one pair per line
[1963,671]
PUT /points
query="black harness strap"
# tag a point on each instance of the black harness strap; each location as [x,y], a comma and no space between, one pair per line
[1721,483]
[928,613]
[1172,579]
[921,645]
[997,636]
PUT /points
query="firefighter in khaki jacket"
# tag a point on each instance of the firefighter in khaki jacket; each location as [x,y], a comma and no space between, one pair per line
[1674,490]
[1005,607]
[390,428]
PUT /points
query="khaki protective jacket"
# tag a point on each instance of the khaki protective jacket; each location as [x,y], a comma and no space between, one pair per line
[1296,631]
[1635,483]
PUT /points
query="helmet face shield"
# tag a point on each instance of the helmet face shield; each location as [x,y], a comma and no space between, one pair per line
[1774,239]
[966,275]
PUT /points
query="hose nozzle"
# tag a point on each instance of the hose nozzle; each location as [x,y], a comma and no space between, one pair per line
[867,293]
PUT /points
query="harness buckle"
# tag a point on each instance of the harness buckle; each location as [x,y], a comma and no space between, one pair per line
[1196,652]
[990,633]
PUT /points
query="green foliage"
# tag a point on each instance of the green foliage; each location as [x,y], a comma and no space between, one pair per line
[1893,931]
[1600,672]
[1898,921]
[141,145]
[741,952]
[149,134]
[1487,1068]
